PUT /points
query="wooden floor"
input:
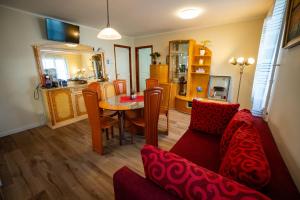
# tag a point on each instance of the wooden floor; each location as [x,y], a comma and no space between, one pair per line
[58,164]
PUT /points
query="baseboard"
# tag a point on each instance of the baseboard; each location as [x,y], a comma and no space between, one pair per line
[20,129]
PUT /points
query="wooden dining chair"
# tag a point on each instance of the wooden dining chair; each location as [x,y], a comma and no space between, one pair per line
[164,106]
[95,86]
[120,87]
[151,82]
[97,122]
[152,101]
[109,90]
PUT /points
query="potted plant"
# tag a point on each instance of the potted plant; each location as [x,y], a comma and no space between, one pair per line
[204,44]
[154,56]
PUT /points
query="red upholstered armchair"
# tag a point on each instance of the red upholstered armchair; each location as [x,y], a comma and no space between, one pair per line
[209,161]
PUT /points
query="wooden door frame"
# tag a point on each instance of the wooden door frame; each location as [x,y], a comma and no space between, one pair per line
[137,67]
[129,48]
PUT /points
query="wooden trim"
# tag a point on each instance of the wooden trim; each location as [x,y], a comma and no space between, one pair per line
[137,67]
[50,108]
[78,112]
[130,70]
[38,62]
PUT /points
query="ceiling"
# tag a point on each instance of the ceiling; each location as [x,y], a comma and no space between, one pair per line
[144,17]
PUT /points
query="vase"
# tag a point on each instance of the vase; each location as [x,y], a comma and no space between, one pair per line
[202,52]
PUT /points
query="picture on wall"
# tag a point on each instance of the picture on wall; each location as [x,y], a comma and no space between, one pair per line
[292,31]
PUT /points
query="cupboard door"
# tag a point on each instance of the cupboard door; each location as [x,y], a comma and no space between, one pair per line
[62,104]
[80,105]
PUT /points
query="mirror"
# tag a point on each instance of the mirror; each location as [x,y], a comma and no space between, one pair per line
[219,87]
[66,66]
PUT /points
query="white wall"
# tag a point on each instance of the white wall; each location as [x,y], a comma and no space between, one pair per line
[238,39]
[284,110]
[18,74]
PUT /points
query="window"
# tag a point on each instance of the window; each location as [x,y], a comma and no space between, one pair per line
[267,57]
[56,67]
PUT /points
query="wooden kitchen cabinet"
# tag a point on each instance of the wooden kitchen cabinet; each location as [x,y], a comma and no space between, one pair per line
[64,106]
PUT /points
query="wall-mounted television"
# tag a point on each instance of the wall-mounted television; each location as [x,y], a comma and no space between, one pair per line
[60,31]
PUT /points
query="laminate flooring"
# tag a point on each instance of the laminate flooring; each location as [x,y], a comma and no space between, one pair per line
[42,163]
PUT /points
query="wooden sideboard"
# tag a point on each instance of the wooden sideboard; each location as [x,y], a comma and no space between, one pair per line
[160,72]
[66,105]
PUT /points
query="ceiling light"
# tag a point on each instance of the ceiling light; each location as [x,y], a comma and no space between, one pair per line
[108,33]
[71,45]
[189,13]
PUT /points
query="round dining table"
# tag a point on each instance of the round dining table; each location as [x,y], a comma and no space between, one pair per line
[122,103]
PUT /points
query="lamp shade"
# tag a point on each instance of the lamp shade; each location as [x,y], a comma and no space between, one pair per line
[240,60]
[233,61]
[109,33]
[250,61]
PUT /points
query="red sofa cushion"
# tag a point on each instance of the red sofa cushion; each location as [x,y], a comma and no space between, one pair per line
[200,148]
[189,181]
[210,117]
[240,118]
[245,160]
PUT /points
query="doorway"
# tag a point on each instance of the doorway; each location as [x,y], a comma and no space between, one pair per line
[123,64]
[142,62]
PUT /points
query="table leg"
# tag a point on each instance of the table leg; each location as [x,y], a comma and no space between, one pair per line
[121,116]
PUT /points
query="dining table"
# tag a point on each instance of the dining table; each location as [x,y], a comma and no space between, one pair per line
[121,104]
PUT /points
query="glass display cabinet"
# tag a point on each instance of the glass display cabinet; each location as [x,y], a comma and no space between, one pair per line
[180,52]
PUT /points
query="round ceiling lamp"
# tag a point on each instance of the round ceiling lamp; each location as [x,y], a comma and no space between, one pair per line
[108,33]
[189,13]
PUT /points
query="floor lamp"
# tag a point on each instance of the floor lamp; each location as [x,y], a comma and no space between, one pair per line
[242,63]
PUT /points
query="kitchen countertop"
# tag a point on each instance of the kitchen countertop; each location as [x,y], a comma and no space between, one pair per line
[67,87]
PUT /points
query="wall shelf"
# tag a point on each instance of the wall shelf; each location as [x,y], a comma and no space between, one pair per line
[201,65]
[197,73]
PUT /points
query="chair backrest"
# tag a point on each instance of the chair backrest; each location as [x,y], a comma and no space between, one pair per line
[164,106]
[151,82]
[152,98]
[91,103]
[95,87]
[120,87]
[109,90]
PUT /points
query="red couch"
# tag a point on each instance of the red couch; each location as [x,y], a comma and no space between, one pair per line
[204,150]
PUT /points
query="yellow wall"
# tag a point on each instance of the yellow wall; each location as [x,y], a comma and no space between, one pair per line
[74,62]
[238,39]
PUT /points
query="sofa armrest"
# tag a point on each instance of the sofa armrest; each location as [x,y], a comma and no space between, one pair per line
[128,185]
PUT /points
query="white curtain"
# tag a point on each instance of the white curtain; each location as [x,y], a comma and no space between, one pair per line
[58,64]
[267,57]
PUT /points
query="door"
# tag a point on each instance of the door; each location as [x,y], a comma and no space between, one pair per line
[123,64]
[143,62]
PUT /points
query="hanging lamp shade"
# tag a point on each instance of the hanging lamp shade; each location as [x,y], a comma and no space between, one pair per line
[108,33]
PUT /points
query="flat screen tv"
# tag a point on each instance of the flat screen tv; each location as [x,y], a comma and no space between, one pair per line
[61,31]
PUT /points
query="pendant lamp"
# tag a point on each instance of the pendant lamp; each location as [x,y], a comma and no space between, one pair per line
[108,33]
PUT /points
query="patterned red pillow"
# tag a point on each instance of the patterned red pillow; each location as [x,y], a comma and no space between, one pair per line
[189,181]
[211,117]
[240,118]
[245,160]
